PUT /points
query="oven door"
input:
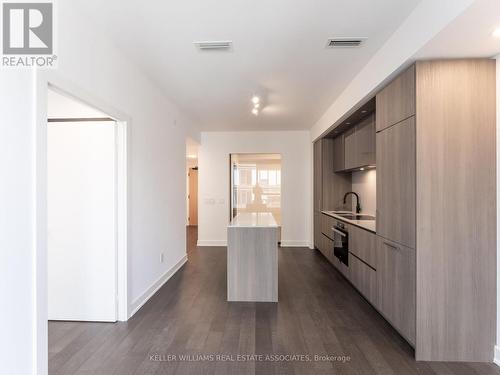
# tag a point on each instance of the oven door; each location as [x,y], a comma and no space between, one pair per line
[341,244]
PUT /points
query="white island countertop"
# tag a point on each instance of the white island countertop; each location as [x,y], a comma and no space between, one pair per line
[254,219]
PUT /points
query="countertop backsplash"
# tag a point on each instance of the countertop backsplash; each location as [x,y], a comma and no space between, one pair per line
[365,184]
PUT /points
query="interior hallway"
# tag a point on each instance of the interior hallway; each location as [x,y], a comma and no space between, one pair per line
[318,313]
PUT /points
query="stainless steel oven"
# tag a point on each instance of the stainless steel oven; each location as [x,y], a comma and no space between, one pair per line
[341,242]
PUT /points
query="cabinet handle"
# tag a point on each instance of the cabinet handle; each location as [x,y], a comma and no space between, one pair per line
[391,245]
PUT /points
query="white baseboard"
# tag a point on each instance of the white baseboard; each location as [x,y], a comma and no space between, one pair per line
[295,243]
[212,243]
[144,297]
[496,359]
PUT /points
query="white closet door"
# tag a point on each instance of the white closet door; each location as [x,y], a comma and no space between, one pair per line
[81,221]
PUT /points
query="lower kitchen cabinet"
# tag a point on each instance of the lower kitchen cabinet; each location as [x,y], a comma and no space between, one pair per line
[327,223]
[364,278]
[317,229]
[396,286]
[326,246]
[363,244]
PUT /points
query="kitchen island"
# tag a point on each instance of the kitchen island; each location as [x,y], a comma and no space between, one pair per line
[252,258]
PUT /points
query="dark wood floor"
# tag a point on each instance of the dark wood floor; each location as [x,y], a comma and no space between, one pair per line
[318,313]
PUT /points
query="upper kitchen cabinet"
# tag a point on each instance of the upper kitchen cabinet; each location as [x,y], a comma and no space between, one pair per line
[358,144]
[365,142]
[329,187]
[350,159]
[338,153]
[396,102]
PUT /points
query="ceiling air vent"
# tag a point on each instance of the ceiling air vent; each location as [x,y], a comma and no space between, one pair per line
[214,45]
[345,42]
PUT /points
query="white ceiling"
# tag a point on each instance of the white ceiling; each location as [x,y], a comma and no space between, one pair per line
[279,50]
[469,35]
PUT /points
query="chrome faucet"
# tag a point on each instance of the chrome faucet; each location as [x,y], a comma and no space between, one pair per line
[358,206]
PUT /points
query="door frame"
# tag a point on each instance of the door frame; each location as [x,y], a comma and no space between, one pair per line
[121,195]
[44,80]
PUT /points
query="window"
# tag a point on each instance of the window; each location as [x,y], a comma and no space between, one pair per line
[256,184]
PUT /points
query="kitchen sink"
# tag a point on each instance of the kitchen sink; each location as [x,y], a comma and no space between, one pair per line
[351,216]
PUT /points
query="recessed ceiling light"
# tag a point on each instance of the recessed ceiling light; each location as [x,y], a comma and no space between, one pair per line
[496,33]
[363,111]
[361,169]
[255,99]
[348,123]
[255,111]
[256,105]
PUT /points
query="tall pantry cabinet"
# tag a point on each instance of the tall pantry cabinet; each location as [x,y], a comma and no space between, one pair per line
[436,207]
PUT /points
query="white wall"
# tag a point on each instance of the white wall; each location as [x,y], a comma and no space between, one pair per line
[157,142]
[497,347]
[93,70]
[17,219]
[365,184]
[213,194]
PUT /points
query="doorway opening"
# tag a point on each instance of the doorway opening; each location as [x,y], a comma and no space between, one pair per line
[256,184]
[191,193]
[86,212]
[255,181]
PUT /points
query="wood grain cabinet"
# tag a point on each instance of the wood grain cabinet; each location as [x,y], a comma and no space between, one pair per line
[456,216]
[364,278]
[396,286]
[329,187]
[396,183]
[396,101]
[317,229]
[327,223]
[326,247]
[365,142]
[436,151]
[363,244]
[338,153]
[359,144]
[363,262]
[350,159]
[317,176]
[435,255]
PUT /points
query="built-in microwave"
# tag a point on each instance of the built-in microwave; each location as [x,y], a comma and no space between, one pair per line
[341,243]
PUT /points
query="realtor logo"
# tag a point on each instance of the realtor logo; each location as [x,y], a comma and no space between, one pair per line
[28,34]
